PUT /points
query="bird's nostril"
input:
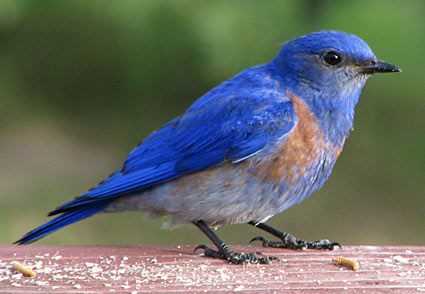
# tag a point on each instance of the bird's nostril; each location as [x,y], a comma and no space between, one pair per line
[370,63]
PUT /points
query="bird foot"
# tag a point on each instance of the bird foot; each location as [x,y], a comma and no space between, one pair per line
[297,244]
[235,257]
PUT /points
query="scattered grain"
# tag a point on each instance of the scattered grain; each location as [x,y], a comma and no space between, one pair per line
[400,259]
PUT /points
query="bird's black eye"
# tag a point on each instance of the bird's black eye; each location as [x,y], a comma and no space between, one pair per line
[332,58]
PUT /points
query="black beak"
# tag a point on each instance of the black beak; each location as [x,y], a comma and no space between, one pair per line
[380,66]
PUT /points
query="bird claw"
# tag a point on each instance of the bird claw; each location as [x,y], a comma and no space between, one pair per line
[259,238]
[236,257]
[202,246]
[323,244]
[297,244]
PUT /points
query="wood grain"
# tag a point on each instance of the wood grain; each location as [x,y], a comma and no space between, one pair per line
[131,269]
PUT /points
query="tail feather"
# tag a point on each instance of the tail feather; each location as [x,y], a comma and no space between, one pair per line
[61,221]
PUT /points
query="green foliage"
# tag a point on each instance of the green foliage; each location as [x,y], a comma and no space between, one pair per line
[81,82]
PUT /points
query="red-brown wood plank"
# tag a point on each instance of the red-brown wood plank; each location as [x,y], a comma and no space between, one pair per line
[131,269]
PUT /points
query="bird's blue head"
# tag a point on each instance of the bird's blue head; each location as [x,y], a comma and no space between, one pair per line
[328,69]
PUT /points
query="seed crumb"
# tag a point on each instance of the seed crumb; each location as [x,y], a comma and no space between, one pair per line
[400,259]
[17,276]
[40,283]
[239,288]
[90,264]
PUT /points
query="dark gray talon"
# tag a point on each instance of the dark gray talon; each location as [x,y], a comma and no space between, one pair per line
[289,241]
[202,246]
[324,244]
[256,239]
[236,257]
[297,244]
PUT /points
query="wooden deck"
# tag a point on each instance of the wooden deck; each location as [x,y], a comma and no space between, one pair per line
[77,269]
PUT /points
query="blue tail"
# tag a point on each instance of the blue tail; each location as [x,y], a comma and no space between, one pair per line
[61,221]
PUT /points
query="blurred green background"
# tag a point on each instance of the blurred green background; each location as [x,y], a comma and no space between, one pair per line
[82,82]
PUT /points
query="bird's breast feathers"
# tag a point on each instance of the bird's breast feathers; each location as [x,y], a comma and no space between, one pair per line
[303,153]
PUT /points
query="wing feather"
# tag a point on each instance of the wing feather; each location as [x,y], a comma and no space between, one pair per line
[229,130]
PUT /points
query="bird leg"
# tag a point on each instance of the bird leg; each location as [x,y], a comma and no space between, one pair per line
[223,251]
[290,241]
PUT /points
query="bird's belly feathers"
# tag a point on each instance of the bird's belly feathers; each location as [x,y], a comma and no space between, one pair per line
[252,190]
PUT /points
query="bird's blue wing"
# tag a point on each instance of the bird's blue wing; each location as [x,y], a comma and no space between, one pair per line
[228,130]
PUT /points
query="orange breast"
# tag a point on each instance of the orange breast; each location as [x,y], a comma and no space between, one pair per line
[303,147]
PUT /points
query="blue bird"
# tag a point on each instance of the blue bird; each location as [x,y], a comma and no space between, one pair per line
[248,149]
